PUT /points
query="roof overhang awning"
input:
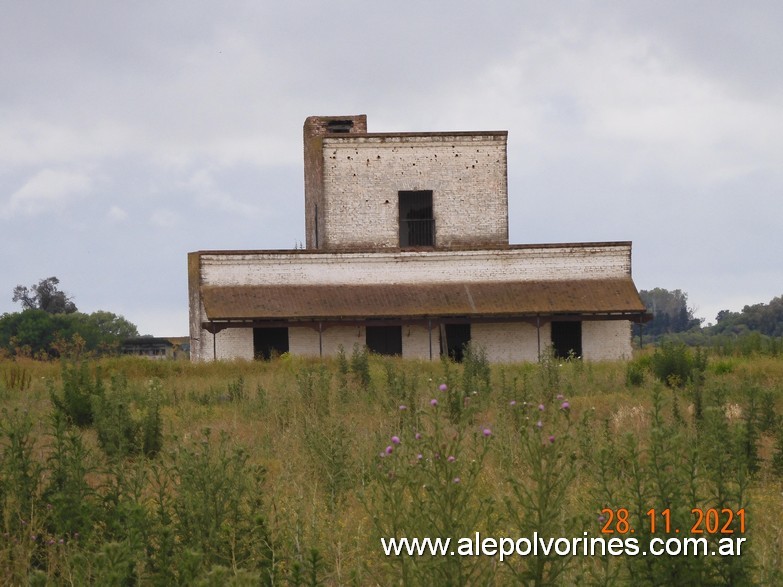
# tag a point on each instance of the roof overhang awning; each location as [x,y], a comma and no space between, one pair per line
[485,301]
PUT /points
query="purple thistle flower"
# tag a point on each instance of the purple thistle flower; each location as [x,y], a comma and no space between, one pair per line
[419,457]
[417,436]
[395,439]
[443,387]
[565,405]
[389,449]
[457,479]
[539,424]
[451,459]
[403,408]
[551,440]
[487,432]
[601,519]
[512,403]
[433,402]
[559,396]
[540,407]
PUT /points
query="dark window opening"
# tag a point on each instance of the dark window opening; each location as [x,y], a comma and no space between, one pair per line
[384,340]
[456,337]
[417,225]
[269,342]
[567,339]
[339,125]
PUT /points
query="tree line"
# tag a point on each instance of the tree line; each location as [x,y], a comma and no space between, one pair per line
[674,320]
[50,324]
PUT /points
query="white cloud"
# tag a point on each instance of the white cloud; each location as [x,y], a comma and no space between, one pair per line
[210,195]
[48,190]
[116,214]
[164,218]
[628,100]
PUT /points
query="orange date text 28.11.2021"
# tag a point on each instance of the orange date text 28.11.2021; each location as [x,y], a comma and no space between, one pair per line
[711,521]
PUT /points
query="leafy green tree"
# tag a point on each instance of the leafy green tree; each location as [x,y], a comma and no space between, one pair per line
[111,326]
[44,296]
[49,318]
[670,311]
[27,332]
[34,331]
[763,318]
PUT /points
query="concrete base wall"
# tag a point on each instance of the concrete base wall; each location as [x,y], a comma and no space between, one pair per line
[510,342]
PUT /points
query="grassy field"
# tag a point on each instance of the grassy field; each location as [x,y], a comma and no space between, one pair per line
[126,471]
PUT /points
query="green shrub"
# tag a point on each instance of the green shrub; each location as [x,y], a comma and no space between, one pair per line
[475,369]
[541,485]
[360,365]
[634,374]
[117,431]
[236,389]
[79,392]
[74,509]
[218,505]
[429,483]
[675,365]
[127,428]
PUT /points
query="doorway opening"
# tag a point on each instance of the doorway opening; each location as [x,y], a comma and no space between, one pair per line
[567,339]
[269,342]
[456,337]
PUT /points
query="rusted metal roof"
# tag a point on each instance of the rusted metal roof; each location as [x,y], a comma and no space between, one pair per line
[362,301]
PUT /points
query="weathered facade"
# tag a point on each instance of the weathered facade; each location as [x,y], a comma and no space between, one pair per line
[407,253]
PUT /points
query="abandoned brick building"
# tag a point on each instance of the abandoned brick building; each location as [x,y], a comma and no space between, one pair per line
[407,253]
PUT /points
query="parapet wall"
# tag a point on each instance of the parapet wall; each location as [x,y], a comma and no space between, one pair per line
[546,262]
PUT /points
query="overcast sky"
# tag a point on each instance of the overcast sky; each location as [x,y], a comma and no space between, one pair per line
[134,132]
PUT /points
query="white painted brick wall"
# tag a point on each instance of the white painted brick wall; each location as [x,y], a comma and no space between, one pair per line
[303,341]
[231,343]
[363,175]
[510,342]
[416,342]
[560,262]
[606,340]
[347,336]
[503,342]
